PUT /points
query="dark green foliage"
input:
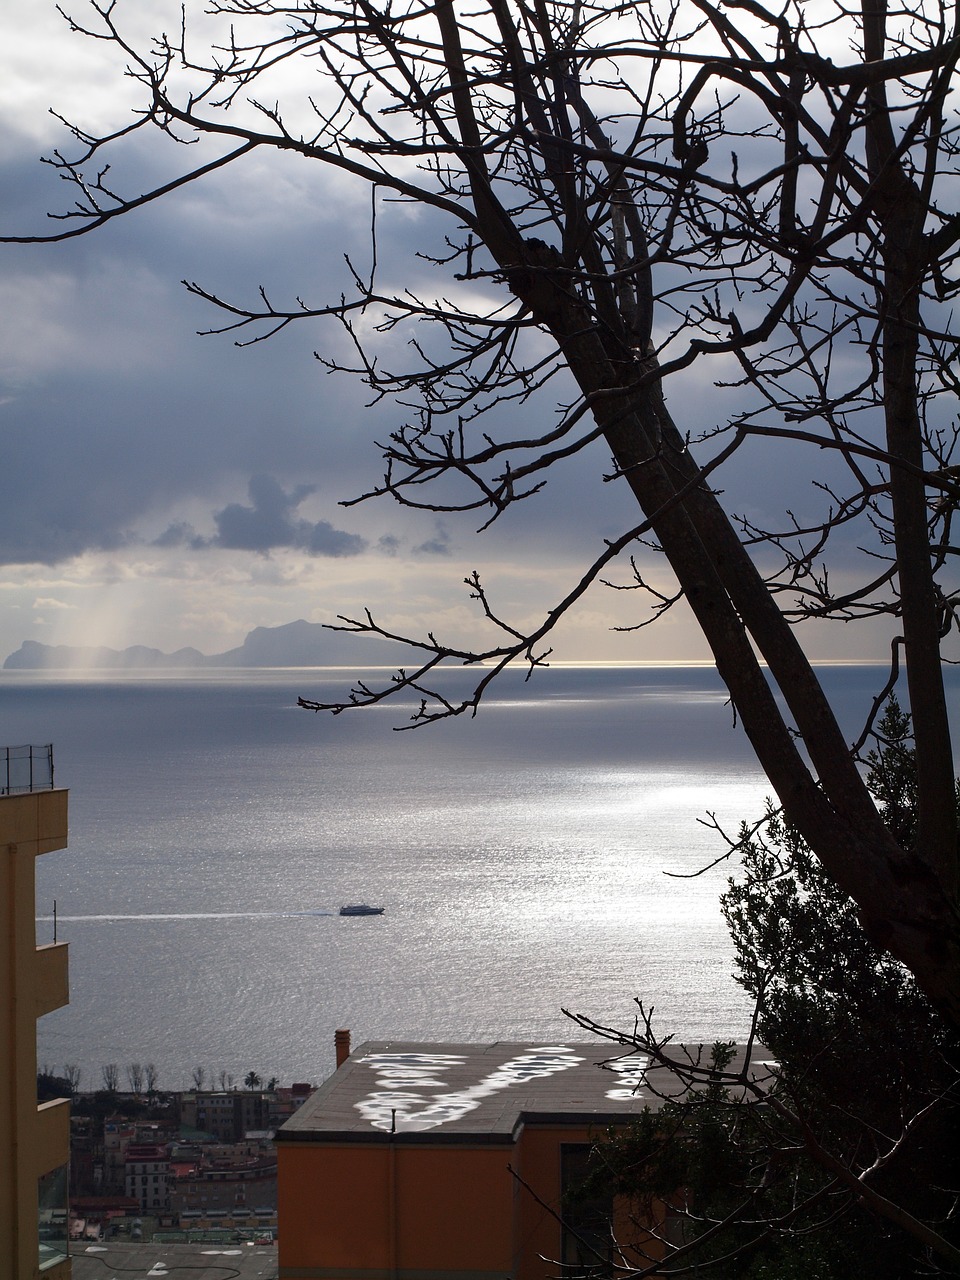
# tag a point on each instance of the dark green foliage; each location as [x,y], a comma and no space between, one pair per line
[51,1086]
[859,1046]
[892,774]
[867,1074]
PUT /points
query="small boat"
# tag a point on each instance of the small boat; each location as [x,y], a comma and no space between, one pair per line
[361,909]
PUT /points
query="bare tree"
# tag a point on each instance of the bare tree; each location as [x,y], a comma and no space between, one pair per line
[845,1115]
[755,198]
[151,1078]
[110,1074]
[135,1077]
[773,1127]
[198,1075]
[71,1073]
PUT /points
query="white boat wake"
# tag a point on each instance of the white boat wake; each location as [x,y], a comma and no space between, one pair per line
[185,915]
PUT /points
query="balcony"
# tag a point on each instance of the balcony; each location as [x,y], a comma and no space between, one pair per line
[53,982]
[50,1146]
[28,768]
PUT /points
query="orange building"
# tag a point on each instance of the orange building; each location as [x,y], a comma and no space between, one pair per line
[455,1162]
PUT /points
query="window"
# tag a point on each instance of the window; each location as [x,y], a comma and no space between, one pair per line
[52,1216]
[587,1215]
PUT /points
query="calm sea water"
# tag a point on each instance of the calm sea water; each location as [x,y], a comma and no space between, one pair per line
[528,861]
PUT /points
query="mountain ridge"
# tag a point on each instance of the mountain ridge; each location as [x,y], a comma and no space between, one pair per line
[292,644]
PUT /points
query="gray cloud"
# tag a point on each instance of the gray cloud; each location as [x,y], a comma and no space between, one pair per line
[325,540]
[118,417]
[438,545]
[180,534]
[269,523]
[266,522]
[118,420]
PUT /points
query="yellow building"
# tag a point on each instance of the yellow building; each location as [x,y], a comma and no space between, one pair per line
[34,1140]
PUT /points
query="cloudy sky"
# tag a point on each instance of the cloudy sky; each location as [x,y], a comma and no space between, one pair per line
[168,489]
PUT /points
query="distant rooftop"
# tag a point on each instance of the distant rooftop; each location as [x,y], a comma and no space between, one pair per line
[475,1092]
[28,768]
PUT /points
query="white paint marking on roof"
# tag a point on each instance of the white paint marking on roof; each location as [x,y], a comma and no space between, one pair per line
[402,1101]
[632,1072]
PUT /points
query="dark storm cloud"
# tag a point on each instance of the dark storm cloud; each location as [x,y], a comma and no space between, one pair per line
[325,540]
[438,545]
[180,534]
[115,414]
[118,413]
[114,411]
[269,523]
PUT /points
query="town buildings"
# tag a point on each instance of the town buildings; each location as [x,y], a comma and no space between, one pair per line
[227,1114]
[147,1176]
[183,1165]
[218,1182]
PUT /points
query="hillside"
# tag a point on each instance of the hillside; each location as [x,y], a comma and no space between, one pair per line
[295,644]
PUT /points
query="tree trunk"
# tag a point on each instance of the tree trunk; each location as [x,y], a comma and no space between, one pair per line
[902,902]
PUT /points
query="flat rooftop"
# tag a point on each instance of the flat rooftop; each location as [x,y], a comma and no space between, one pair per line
[110,1261]
[478,1092]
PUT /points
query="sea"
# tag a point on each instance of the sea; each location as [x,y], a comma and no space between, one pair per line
[555,854]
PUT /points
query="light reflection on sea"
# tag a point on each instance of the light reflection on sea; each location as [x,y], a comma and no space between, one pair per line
[521,856]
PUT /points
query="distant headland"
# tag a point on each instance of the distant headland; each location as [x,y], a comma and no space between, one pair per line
[295,644]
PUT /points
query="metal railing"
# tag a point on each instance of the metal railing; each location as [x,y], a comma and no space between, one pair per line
[27,768]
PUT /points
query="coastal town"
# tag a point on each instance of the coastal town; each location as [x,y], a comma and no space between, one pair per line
[197,1165]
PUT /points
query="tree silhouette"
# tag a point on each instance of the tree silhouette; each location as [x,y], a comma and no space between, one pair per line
[721,193]
[834,1152]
